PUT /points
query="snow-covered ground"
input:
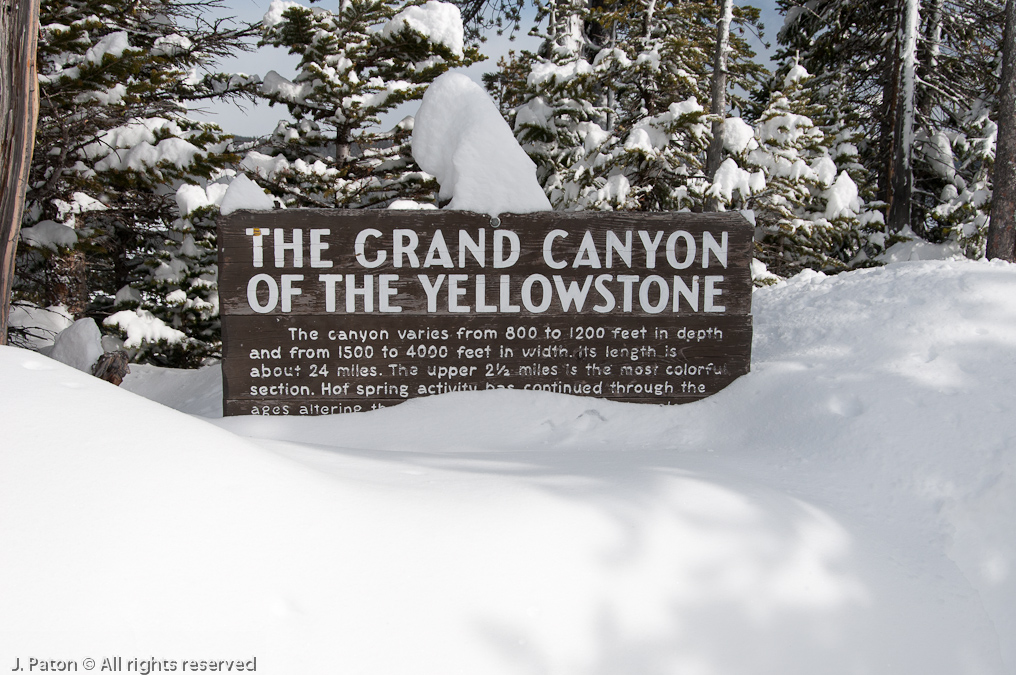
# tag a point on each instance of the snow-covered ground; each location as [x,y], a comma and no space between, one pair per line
[848,507]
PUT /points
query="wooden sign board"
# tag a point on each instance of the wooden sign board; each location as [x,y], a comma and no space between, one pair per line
[329,311]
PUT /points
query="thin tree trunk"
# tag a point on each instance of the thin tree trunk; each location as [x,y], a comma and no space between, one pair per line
[650,12]
[1002,226]
[902,183]
[343,149]
[932,51]
[714,154]
[611,92]
[19,109]
[887,118]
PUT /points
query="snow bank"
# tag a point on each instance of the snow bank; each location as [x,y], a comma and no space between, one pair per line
[79,346]
[460,138]
[848,506]
[42,324]
[195,392]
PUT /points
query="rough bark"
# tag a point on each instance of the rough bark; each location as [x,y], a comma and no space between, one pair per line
[343,146]
[718,107]
[890,89]
[1002,226]
[902,174]
[931,52]
[19,109]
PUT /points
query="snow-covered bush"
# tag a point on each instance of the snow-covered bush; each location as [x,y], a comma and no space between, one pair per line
[810,212]
[611,104]
[102,230]
[356,63]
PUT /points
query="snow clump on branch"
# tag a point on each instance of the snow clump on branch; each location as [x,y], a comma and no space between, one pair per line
[439,22]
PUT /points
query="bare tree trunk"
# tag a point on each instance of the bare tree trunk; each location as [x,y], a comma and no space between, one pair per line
[343,150]
[902,182]
[19,109]
[611,92]
[714,154]
[890,85]
[1002,226]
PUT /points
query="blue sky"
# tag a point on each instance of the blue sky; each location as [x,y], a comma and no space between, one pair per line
[256,120]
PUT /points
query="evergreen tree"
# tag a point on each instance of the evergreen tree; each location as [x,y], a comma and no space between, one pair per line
[863,54]
[101,230]
[355,64]
[964,160]
[613,114]
[810,213]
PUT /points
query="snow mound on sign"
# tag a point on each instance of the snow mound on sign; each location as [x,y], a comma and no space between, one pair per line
[846,507]
[243,193]
[461,139]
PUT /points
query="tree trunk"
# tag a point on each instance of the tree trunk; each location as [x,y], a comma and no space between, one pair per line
[714,155]
[650,12]
[890,85]
[932,50]
[1002,226]
[343,148]
[902,180]
[19,109]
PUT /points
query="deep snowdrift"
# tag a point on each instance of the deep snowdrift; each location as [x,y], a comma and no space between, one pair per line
[848,507]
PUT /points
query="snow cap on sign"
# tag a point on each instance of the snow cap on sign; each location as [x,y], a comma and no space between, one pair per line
[461,139]
[243,193]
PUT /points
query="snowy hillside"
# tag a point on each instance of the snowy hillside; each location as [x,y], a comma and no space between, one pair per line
[848,507]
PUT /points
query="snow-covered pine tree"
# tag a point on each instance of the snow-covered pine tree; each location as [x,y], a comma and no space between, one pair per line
[563,120]
[964,159]
[665,93]
[862,57]
[356,64]
[114,144]
[810,213]
[613,114]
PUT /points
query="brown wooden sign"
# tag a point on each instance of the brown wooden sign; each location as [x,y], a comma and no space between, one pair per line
[328,311]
